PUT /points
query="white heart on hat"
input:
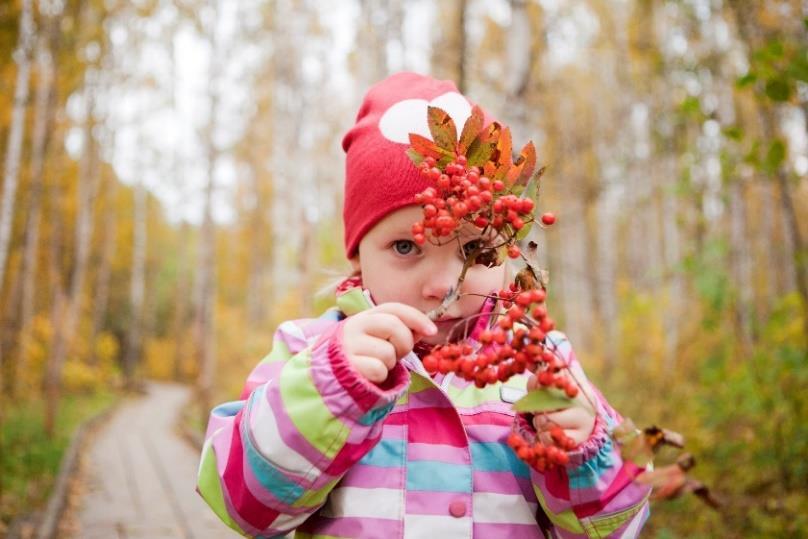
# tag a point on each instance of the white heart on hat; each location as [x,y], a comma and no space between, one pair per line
[410,116]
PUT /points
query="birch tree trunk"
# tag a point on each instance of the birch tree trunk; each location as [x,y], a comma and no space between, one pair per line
[137,286]
[14,146]
[67,321]
[41,137]
[205,285]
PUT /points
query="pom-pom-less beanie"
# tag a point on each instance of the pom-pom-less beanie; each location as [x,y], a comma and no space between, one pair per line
[379,176]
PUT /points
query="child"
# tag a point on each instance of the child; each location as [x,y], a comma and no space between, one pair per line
[341,432]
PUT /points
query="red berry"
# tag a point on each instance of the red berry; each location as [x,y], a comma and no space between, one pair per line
[513,251]
[419,239]
[526,205]
[430,363]
[537,295]
[548,218]
[480,221]
[498,185]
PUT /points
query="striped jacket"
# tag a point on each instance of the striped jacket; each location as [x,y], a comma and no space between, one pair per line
[313,447]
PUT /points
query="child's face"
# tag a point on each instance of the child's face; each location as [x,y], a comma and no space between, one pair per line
[395,269]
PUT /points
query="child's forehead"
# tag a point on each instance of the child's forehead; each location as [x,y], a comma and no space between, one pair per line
[401,220]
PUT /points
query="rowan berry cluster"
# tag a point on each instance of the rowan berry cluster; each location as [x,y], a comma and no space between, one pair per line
[540,456]
[514,345]
[461,193]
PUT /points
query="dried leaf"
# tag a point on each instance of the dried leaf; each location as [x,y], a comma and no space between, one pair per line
[527,279]
[672,481]
[656,437]
[425,147]
[700,489]
[543,400]
[442,128]
[471,129]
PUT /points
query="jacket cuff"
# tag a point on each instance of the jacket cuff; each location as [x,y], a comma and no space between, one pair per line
[368,396]
[586,451]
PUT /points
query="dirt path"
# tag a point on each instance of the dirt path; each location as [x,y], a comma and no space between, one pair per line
[140,475]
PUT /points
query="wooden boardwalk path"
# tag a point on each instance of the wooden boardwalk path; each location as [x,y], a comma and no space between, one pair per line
[140,476]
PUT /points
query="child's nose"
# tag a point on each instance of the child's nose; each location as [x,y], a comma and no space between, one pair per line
[439,278]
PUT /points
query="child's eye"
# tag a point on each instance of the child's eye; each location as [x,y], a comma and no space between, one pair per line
[470,246]
[404,247]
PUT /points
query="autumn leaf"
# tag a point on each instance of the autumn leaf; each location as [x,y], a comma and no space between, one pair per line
[543,400]
[442,128]
[414,156]
[504,147]
[472,128]
[483,148]
[522,170]
[656,437]
[425,147]
[671,481]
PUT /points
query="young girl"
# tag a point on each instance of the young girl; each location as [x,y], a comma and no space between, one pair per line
[341,432]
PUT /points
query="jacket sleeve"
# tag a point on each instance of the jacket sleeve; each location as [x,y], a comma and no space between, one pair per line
[306,416]
[595,494]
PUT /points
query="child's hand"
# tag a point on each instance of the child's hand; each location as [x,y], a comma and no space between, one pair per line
[374,340]
[577,421]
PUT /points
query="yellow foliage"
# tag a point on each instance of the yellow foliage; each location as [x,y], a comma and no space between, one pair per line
[78,376]
[106,348]
[158,356]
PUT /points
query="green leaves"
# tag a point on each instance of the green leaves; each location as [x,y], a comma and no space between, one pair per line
[775,155]
[543,400]
[778,89]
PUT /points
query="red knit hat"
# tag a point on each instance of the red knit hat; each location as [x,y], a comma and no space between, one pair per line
[379,177]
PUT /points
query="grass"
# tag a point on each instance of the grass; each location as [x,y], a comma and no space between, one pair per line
[29,460]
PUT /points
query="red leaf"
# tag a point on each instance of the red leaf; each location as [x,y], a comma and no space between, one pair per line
[425,147]
[504,146]
[442,128]
[524,166]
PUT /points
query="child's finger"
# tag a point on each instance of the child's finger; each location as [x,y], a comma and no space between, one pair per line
[389,327]
[414,319]
[370,367]
[377,348]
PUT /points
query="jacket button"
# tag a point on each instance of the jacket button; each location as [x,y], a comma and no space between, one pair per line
[457,508]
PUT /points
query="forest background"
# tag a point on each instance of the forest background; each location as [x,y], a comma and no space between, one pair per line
[172,178]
